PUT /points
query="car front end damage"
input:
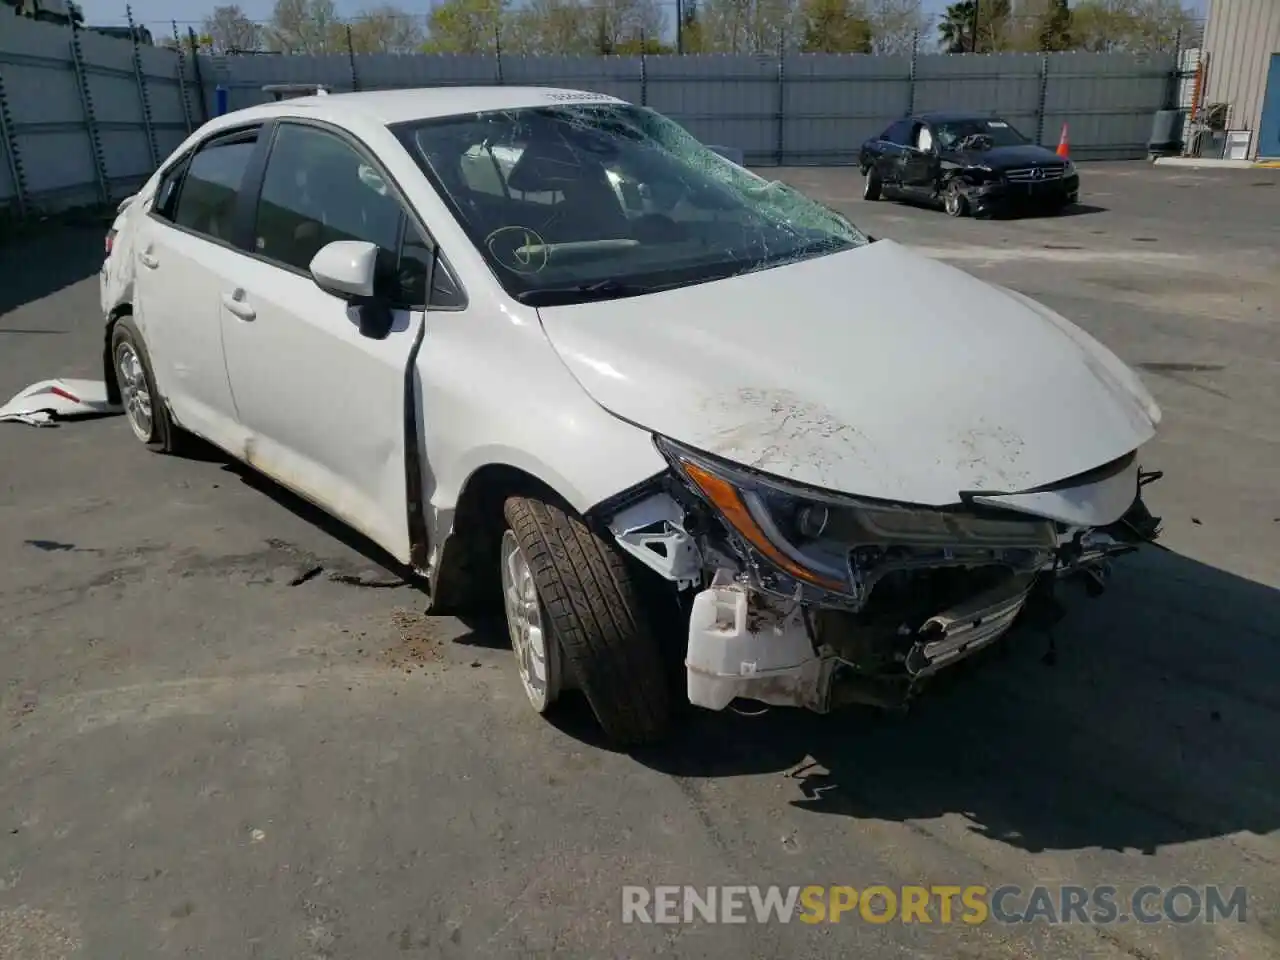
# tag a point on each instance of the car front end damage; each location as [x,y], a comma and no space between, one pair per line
[804,598]
[1033,187]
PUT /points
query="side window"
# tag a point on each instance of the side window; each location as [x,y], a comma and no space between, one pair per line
[899,133]
[206,202]
[317,189]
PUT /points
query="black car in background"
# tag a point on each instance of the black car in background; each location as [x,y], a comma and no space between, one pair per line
[968,163]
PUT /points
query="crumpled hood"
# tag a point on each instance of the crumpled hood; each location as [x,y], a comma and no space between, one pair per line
[1004,158]
[874,371]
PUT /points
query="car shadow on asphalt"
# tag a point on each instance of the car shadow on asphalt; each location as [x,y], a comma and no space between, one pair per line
[1075,210]
[1156,725]
[39,262]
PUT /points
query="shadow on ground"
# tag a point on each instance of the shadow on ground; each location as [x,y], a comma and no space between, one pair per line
[1156,726]
[36,263]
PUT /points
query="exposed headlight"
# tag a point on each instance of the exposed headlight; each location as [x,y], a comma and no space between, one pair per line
[815,537]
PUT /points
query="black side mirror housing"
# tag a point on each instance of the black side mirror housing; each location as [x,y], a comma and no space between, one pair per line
[374,318]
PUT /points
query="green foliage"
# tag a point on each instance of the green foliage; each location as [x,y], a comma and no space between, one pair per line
[835,26]
[1055,26]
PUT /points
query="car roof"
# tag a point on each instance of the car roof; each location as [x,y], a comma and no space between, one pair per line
[422,103]
[952,117]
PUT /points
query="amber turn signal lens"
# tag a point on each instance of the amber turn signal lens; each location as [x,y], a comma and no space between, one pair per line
[726,499]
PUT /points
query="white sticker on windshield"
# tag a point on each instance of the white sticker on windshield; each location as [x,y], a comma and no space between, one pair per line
[998,124]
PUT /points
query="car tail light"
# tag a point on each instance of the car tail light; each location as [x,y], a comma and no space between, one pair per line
[111,239]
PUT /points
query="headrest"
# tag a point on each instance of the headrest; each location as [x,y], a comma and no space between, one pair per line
[545,165]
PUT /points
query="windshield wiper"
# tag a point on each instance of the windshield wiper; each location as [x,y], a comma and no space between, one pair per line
[583,293]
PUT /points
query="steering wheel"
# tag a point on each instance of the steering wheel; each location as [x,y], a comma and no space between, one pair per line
[511,246]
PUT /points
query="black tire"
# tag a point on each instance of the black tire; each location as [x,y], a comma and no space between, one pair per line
[955,203]
[164,436]
[871,186]
[593,606]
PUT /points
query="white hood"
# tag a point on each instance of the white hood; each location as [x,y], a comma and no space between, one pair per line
[874,372]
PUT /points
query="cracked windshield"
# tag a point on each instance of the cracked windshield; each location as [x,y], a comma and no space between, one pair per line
[588,202]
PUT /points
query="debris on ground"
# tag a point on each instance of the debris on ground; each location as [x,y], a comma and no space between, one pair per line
[416,647]
[43,404]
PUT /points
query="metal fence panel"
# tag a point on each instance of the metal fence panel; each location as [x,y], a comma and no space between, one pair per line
[832,102]
[793,109]
[1106,99]
[720,98]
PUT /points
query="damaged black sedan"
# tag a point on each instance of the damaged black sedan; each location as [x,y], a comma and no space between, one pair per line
[967,164]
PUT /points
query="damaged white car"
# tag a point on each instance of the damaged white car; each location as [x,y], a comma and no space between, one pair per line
[549,350]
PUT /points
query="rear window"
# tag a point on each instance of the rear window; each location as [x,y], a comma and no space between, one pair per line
[207,201]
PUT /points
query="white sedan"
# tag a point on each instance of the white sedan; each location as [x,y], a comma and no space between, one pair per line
[549,350]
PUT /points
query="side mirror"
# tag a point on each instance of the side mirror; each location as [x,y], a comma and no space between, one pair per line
[347,269]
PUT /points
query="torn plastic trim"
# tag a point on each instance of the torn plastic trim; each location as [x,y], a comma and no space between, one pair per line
[43,403]
[652,530]
[745,645]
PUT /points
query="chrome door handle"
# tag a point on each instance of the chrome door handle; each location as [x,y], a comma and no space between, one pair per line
[235,303]
[148,260]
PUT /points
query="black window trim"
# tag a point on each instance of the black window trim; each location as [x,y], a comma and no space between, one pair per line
[251,191]
[184,160]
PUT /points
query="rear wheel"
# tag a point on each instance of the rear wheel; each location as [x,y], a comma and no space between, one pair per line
[871,186]
[143,406]
[582,600]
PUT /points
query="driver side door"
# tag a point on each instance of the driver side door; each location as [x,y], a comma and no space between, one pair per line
[919,162]
[323,403]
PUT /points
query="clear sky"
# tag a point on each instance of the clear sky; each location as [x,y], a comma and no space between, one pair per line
[157,13]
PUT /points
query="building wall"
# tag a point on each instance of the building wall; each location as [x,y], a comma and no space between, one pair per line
[1240,38]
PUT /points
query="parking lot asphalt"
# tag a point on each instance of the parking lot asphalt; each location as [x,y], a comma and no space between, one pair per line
[226,731]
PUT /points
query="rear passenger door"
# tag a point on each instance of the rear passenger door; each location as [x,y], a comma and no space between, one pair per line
[186,252]
[324,404]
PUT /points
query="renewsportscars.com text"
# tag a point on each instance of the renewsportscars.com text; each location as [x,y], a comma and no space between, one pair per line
[937,904]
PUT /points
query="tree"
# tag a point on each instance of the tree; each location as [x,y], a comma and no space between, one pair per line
[955,29]
[975,26]
[835,26]
[1055,26]
[896,25]
[465,26]
[306,26]
[230,31]
[549,27]
[1104,26]
[386,29]
[692,36]
[753,26]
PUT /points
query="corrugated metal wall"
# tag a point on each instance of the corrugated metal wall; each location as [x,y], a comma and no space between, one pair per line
[1240,38]
[82,122]
[802,109]
[78,126]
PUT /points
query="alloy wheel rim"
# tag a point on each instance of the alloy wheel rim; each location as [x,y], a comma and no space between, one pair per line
[134,393]
[524,623]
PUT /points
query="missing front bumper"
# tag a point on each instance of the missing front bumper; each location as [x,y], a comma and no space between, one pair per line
[744,647]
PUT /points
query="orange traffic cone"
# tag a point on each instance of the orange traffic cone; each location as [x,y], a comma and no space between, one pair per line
[1064,148]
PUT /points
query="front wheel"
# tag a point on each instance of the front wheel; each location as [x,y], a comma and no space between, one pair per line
[872,186]
[954,200]
[573,604]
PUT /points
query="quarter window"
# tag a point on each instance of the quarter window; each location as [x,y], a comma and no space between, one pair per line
[207,199]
